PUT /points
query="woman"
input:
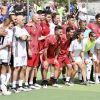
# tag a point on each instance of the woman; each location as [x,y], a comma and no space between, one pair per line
[76,50]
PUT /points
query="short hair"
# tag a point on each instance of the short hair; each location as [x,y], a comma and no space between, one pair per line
[54,15]
[81,21]
[57,27]
[70,16]
[91,33]
[40,12]
[78,32]
[97,16]
[68,29]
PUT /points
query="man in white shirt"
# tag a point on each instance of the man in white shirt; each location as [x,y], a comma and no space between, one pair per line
[21,37]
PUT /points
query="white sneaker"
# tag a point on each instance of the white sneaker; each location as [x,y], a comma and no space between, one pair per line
[91,82]
[34,87]
[57,85]
[27,89]
[69,84]
[45,86]
[37,85]
[6,92]
[97,82]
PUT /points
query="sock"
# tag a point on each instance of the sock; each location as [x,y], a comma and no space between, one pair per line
[34,80]
[14,84]
[7,78]
[67,79]
[52,75]
[30,83]
[20,83]
[26,83]
[3,79]
[88,71]
[96,77]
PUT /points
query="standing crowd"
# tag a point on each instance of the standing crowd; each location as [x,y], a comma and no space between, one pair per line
[49,44]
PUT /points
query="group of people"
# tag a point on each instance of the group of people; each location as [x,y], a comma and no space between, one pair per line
[49,44]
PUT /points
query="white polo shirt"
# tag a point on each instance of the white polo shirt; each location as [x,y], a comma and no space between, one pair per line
[19,46]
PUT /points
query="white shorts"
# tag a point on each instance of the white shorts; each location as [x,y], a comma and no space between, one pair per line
[77,59]
[20,61]
[88,58]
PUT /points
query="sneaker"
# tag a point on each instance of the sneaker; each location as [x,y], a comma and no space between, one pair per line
[26,88]
[33,87]
[84,83]
[69,84]
[37,85]
[45,86]
[64,79]
[57,85]
[90,82]
[15,90]
[4,90]
[97,82]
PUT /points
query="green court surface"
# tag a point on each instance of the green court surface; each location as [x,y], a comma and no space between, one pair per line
[77,92]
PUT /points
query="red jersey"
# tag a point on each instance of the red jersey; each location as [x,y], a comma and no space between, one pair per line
[45,32]
[35,32]
[95,28]
[64,45]
[65,27]
[52,44]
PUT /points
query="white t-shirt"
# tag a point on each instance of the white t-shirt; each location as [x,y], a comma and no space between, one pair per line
[19,46]
[76,48]
[4,53]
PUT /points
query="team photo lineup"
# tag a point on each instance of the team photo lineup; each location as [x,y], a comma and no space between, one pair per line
[51,42]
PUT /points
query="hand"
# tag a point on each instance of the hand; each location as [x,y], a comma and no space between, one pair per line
[56,61]
[24,37]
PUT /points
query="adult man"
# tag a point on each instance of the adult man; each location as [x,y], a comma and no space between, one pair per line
[35,31]
[95,26]
[21,36]
[50,56]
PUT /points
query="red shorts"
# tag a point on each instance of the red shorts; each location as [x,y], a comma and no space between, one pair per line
[50,61]
[33,61]
[63,59]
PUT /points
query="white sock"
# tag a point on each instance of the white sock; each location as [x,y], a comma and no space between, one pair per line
[96,77]
[67,79]
[14,84]
[3,79]
[21,83]
[52,75]
[8,75]
[31,83]
[26,83]
[88,71]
